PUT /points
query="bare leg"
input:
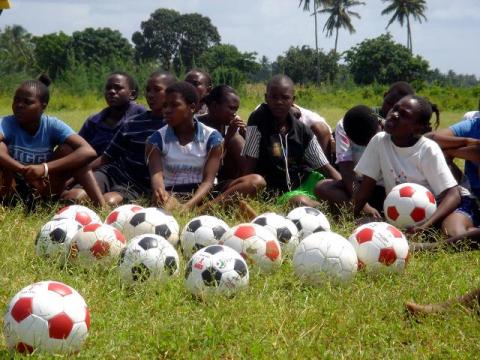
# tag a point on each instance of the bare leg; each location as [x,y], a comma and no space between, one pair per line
[301,200]
[468,300]
[332,191]
[113,199]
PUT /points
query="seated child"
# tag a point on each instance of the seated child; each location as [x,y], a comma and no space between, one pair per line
[223,103]
[202,82]
[402,154]
[121,171]
[41,152]
[183,156]
[283,150]
[120,94]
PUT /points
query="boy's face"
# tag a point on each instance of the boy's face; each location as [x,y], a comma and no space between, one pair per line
[280,98]
[155,93]
[117,91]
[200,82]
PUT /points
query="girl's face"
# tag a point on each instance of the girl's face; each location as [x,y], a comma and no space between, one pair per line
[155,93]
[402,119]
[27,106]
[200,82]
[176,110]
[117,91]
[226,110]
[280,98]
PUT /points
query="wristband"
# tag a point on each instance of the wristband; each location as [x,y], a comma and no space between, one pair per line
[45,173]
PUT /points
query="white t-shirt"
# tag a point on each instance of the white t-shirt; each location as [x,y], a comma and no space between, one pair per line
[422,163]
[346,149]
[309,117]
[471,115]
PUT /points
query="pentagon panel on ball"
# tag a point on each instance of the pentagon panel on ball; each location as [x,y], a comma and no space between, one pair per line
[79,213]
[284,229]
[202,231]
[120,216]
[55,236]
[148,257]
[380,245]
[409,205]
[152,221]
[48,317]
[325,255]
[256,245]
[308,221]
[96,243]
[216,269]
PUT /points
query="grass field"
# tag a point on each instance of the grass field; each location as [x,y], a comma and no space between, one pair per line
[276,317]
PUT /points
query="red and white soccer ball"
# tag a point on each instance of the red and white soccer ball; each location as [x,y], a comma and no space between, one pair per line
[409,205]
[79,213]
[325,255]
[97,243]
[284,229]
[255,244]
[153,221]
[119,216]
[380,245]
[47,316]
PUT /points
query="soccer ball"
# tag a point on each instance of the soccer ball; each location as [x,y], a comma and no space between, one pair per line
[216,269]
[119,217]
[96,242]
[55,236]
[308,221]
[47,316]
[148,256]
[283,228]
[255,244]
[79,213]
[380,245]
[200,232]
[325,255]
[152,221]
[409,205]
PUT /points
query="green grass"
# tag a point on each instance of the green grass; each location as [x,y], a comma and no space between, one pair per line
[276,317]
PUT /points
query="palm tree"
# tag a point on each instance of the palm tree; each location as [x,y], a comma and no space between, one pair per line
[402,10]
[340,16]
[306,7]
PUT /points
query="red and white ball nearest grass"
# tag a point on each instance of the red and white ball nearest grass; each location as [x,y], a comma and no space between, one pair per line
[79,213]
[380,245]
[47,316]
[119,216]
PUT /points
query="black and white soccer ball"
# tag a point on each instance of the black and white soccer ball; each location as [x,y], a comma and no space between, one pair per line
[308,221]
[152,221]
[201,231]
[55,236]
[148,257]
[283,228]
[216,269]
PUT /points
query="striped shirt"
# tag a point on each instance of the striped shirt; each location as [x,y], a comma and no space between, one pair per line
[127,148]
[298,151]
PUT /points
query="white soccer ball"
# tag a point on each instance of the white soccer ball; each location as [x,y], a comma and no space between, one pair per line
[255,244]
[284,229]
[79,213]
[200,232]
[119,216]
[47,316]
[308,221]
[96,243]
[216,269]
[152,221]
[148,257]
[55,236]
[325,255]
[380,246]
[409,205]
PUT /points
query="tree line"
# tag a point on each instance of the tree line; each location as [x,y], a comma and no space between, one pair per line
[178,42]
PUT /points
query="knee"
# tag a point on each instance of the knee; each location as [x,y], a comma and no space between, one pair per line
[113,200]
[74,195]
[299,200]
[322,188]
[257,181]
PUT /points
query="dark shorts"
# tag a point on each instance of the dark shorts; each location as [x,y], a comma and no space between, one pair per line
[468,207]
[377,198]
[112,179]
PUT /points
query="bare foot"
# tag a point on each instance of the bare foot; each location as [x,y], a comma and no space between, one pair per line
[416,247]
[246,211]
[417,309]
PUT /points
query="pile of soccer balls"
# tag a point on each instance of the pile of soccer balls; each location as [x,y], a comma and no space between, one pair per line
[52,317]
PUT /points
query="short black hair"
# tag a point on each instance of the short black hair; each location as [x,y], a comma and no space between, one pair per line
[186,89]
[169,78]
[400,89]
[426,111]
[203,72]
[361,124]
[218,94]
[279,79]
[41,87]
[132,83]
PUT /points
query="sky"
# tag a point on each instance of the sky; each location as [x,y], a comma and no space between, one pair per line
[450,39]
